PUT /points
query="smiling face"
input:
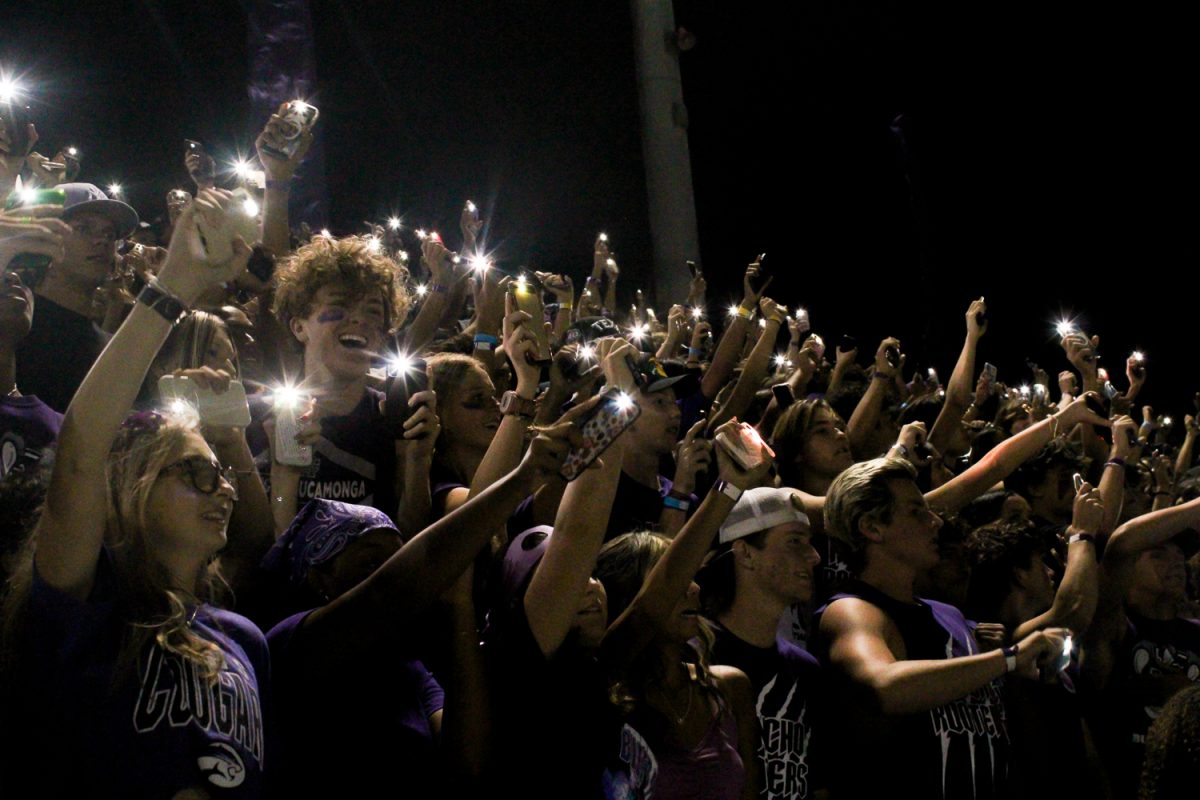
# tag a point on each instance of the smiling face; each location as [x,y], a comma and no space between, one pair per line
[341,332]
[469,412]
[783,566]
[185,519]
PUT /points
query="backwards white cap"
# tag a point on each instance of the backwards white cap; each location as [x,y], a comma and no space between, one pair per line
[760,509]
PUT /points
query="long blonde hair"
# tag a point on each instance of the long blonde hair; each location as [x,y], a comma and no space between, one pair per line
[153,607]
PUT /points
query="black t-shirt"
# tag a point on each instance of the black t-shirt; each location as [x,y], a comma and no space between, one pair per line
[56,355]
[636,507]
[784,679]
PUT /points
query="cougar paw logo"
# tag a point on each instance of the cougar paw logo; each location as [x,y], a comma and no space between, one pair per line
[222,766]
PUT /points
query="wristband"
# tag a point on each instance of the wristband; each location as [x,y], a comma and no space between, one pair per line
[776,319]
[486,339]
[695,351]
[728,489]
[745,313]
[883,376]
[1081,537]
[565,306]
[678,505]
[1010,657]
[902,448]
[162,302]
[1115,462]
[440,288]
[284,185]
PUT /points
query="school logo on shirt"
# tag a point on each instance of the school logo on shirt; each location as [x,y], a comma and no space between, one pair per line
[223,766]
[173,691]
[975,722]
[783,741]
[634,780]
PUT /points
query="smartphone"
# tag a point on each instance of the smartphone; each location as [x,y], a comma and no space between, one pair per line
[847,343]
[298,117]
[746,447]
[693,269]
[527,296]
[401,386]
[1078,482]
[784,397]
[607,420]
[1039,392]
[990,371]
[764,273]
[287,426]
[1096,405]
[205,168]
[228,409]
[892,354]
[1109,390]
[16,118]
[818,345]
[31,267]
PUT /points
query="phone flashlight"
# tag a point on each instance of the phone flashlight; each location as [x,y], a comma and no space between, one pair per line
[421,234]
[1024,390]
[603,237]
[394,223]
[73,152]
[471,207]
[373,244]
[180,407]
[10,90]
[286,397]
[733,311]
[781,361]
[610,262]
[697,313]
[1102,373]
[422,290]
[623,401]
[1167,422]
[399,364]
[1064,327]
[480,264]
[587,352]
[114,189]
[250,207]
[325,232]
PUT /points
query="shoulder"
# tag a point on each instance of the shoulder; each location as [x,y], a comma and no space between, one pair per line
[732,682]
[796,655]
[852,614]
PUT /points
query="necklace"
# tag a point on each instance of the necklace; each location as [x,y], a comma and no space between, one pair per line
[687,709]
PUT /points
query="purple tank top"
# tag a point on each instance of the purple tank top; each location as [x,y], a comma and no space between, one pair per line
[713,770]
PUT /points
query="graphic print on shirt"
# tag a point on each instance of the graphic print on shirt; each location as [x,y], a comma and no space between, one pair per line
[173,691]
[1159,671]
[634,778]
[783,739]
[963,722]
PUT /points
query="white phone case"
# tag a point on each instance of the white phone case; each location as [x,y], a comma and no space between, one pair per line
[287,449]
[227,409]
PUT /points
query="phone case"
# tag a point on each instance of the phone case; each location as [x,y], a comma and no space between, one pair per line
[227,409]
[287,449]
[299,117]
[599,430]
[735,450]
[530,301]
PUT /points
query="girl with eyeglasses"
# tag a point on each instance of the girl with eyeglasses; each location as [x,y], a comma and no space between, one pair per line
[122,678]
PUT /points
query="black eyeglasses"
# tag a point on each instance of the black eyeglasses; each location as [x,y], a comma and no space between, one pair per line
[204,474]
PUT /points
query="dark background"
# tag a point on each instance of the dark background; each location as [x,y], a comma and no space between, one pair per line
[1049,161]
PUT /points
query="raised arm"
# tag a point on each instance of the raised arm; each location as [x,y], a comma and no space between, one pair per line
[71,528]
[1075,601]
[1112,482]
[443,281]
[276,233]
[866,413]
[1008,455]
[729,349]
[669,579]
[756,367]
[959,389]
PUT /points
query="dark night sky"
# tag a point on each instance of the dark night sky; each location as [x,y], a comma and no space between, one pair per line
[1053,153]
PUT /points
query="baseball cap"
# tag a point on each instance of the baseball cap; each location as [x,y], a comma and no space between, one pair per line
[89,197]
[759,509]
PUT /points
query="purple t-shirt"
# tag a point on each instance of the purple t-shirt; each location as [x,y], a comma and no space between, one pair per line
[361,728]
[27,428]
[90,732]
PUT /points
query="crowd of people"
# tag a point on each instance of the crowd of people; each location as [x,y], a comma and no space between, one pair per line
[291,514]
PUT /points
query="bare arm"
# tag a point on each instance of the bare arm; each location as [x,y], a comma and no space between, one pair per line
[276,234]
[866,413]
[729,349]
[755,369]
[738,692]
[959,390]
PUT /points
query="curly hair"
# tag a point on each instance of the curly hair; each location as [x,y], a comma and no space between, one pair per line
[996,551]
[350,262]
[1173,748]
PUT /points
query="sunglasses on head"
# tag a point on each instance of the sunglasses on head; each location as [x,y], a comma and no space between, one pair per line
[204,474]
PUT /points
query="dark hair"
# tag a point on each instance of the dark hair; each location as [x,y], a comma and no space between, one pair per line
[789,435]
[1058,452]
[718,577]
[996,552]
[923,409]
[1173,748]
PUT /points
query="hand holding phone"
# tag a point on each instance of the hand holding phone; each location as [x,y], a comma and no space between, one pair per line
[744,446]
[289,405]
[227,409]
[406,377]
[600,426]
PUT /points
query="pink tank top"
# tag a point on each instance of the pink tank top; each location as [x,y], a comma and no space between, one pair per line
[713,770]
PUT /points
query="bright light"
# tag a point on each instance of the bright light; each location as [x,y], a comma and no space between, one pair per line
[1068,646]
[733,311]
[932,372]
[435,236]
[650,313]
[301,105]
[422,290]
[1166,422]
[1102,374]
[180,407]
[403,256]
[400,364]
[623,401]
[480,263]
[781,361]
[373,244]
[325,232]
[241,167]
[801,314]
[250,207]
[1025,390]
[611,262]
[28,196]
[697,313]
[286,397]
[1064,327]
[471,207]
[394,223]
[114,189]
[639,331]
[762,322]
[71,151]
[9,90]
[1138,356]
[421,234]
[603,237]
[587,352]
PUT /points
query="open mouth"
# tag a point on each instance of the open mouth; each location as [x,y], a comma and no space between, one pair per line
[352,341]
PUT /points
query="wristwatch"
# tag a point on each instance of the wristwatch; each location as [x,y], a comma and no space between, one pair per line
[512,403]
